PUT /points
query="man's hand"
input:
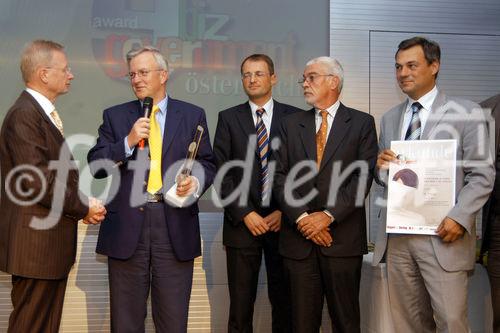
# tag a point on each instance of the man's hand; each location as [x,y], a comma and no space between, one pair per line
[449,230]
[255,223]
[96,212]
[323,238]
[385,158]
[186,186]
[273,220]
[139,131]
[313,224]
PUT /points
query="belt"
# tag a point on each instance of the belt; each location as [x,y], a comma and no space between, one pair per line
[157,197]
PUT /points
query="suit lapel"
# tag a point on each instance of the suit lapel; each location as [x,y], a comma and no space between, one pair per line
[397,125]
[39,109]
[437,112]
[278,113]
[245,119]
[340,128]
[172,122]
[307,130]
[134,113]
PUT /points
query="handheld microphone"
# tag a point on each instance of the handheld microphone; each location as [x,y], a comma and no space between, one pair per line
[147,106]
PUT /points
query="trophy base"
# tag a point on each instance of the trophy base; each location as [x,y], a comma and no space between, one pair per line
[172,198]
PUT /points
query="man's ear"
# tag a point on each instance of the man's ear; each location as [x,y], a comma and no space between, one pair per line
[164,77]
[335,83]
[42,74]
[435,67]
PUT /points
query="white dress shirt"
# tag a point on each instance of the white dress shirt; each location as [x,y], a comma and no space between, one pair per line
[267,116]
[426,101]
[44,102]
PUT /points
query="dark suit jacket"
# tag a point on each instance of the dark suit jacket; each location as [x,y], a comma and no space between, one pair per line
[234,127]
[120,231]
[489,209]
[352,138]
[28,137]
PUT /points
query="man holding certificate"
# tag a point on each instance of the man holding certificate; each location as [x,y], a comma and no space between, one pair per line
[149,243]
[428,273]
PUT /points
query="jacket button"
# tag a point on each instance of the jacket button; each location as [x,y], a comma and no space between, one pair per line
[141,209]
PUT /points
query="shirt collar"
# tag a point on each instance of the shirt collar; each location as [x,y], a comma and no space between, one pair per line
[426,101]
[268,107]
[44,102]
[163,105]
[332,109]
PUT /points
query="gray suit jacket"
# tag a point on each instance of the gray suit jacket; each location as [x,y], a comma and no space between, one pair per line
[463,120]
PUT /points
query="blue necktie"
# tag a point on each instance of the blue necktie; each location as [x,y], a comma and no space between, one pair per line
[263,148]
[413,132]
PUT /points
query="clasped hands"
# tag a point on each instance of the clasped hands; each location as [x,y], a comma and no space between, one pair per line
[259,225]
[96,212]
[316,227]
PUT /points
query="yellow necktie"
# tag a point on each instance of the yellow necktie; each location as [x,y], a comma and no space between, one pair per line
[155,141]
[57,121]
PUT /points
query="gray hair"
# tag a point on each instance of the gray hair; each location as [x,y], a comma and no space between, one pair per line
[35,54]
[160,59]
[333,67]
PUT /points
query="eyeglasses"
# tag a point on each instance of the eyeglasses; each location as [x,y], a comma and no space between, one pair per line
[310,78]
[248,75]
[66,70]
[142,73]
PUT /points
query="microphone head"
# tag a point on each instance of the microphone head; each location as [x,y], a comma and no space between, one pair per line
[147,101]
[147,106]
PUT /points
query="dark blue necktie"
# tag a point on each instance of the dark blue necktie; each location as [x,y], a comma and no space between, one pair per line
[413,132]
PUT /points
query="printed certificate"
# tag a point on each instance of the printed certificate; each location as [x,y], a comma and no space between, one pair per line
[421,185]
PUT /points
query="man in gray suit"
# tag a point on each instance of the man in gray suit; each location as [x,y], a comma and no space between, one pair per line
[428,274]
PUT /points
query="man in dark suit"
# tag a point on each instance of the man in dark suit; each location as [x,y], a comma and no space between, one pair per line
[150,243]
[40,203]
[323,175]
[491,217]
[252,227]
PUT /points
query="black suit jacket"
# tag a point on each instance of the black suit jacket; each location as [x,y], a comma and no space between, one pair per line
[29,137]
[352,139]
[489,209]
[234,127]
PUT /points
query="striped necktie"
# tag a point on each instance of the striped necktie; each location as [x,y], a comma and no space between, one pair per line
[263,148]
[415,127]
[155,181]
[321,137]
[57,121]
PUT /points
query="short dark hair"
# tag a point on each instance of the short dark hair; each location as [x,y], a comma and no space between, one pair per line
[259,57]
[432,51]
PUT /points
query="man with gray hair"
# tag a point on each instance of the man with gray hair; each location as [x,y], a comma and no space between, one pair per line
[40,204]
[323,174]
[149,243]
